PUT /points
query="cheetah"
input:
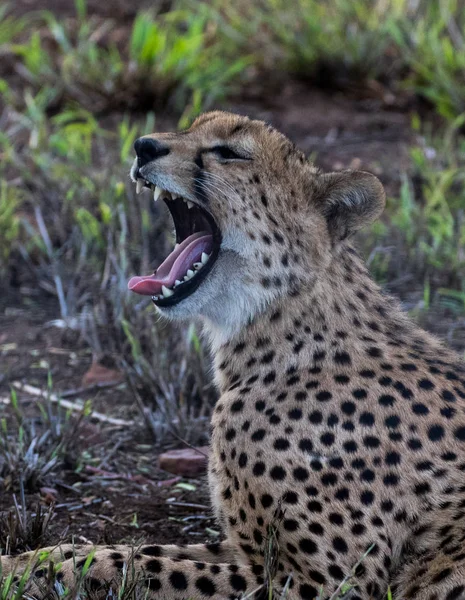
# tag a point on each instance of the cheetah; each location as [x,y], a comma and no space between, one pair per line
[338,440]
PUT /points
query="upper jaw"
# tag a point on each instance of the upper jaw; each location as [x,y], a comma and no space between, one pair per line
[152,182]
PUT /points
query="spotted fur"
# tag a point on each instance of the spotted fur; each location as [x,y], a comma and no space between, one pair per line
[340,428]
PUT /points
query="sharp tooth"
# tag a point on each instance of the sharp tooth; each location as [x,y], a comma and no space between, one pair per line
[177,282]
[166,292]
[190,273]
[156,193]
[198,265]
[175,196]
[189,204]
[204,258]
[139,185]
[175,246]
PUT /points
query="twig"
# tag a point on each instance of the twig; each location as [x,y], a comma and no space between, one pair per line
[352,573]
[89,388]
[189,505]
[74,406]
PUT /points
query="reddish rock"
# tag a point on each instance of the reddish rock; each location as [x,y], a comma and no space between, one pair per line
[98,374]
[187,462]
[49,495]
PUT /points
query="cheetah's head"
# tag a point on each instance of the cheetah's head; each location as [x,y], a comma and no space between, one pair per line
[253,219]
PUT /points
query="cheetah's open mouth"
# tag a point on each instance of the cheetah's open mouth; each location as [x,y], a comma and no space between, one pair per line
[198,240]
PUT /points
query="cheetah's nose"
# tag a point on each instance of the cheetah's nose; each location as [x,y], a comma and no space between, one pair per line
[148,149]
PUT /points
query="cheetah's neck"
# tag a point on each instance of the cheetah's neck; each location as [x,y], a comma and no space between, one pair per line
[344,321]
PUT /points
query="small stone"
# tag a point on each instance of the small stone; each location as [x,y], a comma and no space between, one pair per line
[187,462]
[98,375]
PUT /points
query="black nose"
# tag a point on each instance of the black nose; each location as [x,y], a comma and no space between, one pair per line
[148,149]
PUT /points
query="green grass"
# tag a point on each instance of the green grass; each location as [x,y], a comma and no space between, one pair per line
[423,228]
[419,48]
[31,449]
[169,59]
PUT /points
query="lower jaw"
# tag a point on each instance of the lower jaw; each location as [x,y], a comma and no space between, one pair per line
[188,288]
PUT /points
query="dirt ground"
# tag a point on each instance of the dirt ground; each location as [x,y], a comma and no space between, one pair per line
[120,494]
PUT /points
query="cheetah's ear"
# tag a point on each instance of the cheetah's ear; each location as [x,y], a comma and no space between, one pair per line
[349,200]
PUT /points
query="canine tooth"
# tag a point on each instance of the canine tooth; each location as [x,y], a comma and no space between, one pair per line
[166,291]
[156,193]
[198,265]
[189,204]
[139,185]
[190,273]
[204,258]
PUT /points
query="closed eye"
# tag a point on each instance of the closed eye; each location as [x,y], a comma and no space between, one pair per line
[227,153]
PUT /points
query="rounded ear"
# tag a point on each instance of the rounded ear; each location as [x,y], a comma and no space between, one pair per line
[349,200]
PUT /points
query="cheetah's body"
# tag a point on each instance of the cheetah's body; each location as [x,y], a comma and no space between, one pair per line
[341,426]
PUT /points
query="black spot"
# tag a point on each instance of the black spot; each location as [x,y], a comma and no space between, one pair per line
[456,593]
[238,582]
[277,473]
[436,433]
[308,592]
[258,435]
[315,417]
[316,528]
[342,358]
[205,586]
[323,396]
[420,409]
[306,445]
[258,469]
[460,433]
[422,488]
[152,551]
[367,419]
[300,474]
[178,580]
[425,384]
[308,546]
[295,414]
[340,545]
[348,408]
[390,480]
[154,566]
[392,421]
[374,351]
[314,506]
[336,572]
[153,584]
[266,500]
[367,497]
[237,406]
[386,400]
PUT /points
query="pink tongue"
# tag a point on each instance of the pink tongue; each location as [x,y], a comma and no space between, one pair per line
[175,266]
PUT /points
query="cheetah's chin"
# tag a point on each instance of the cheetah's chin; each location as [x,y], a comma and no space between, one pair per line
[198,243]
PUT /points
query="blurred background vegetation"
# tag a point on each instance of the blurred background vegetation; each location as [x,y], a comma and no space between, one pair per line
[373,84]
[77,87]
